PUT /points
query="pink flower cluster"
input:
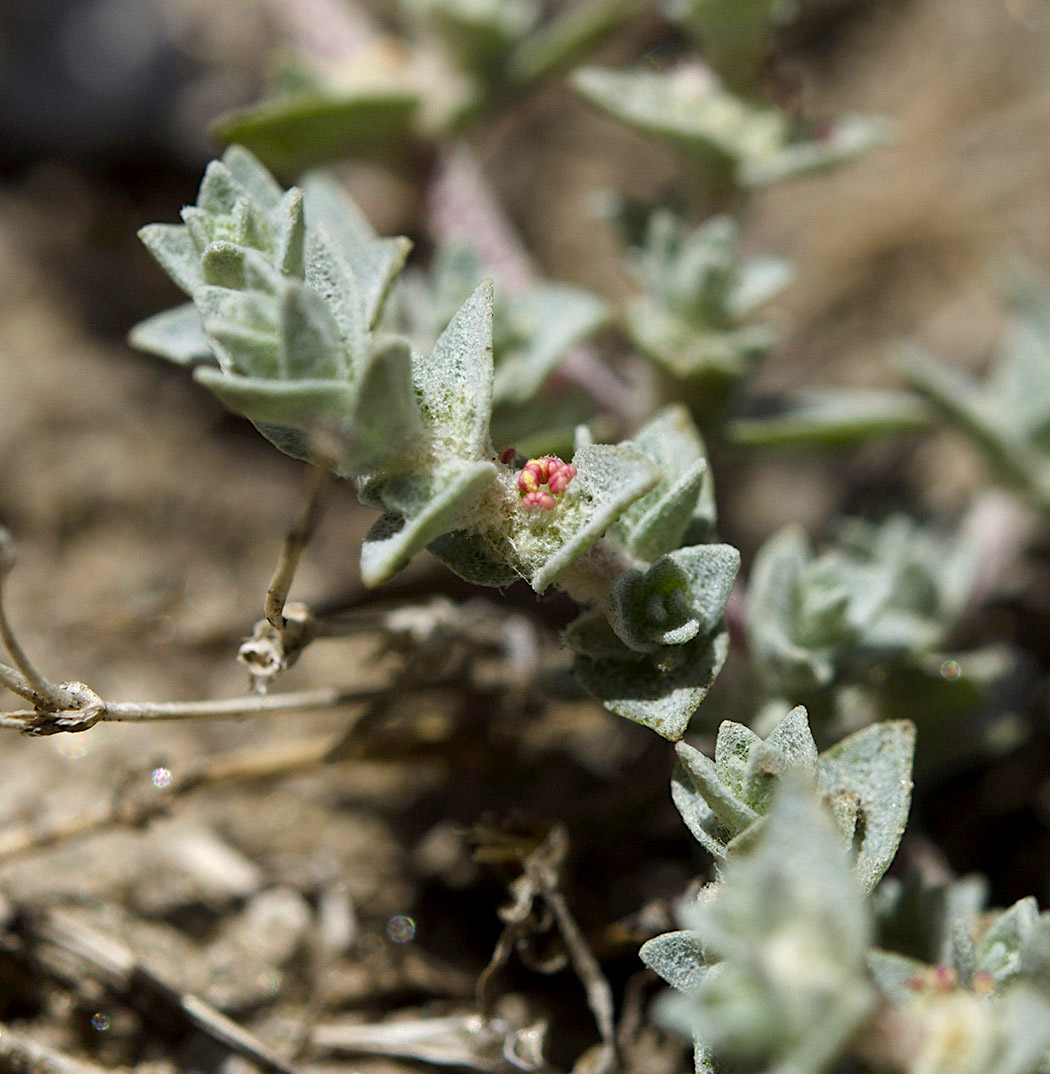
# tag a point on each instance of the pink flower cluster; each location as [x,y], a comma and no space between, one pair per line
[542,480]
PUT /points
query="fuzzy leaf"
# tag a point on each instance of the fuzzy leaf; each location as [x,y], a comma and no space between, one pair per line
[681,595]
[609,478]
[546,321]
[374,262]
[895,974]
[176,334]
[454,384]
[395,538]
[329,274]
[253,178]
[677,957]
[657,522]
[293,132]
[174,250]
[875,764]
[290,234]
[301,403]
[571,32]
[661,691]
[471,557]
[310,339]
[829,416]
[699,817]
[784,937]
[732,812]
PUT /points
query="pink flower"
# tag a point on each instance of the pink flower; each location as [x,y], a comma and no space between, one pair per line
[548,471]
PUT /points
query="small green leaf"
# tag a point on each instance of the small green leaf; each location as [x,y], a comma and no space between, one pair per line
[175,252]
[829,416]
[609,478]
[657,522]
[677,957]
[293,132]
[455,383]
[545,322]
[733,813]
[290,234]
[661,691]
[176,334]
[329,274]
[311,344]
[571,32]
[395,538]
[699,817]
[302,403]
[875,764]
[374,262]
[471,557]
[249,174]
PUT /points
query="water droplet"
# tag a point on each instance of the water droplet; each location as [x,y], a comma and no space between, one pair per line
[950,670]
[100,1021]
[161,778]
[401,928]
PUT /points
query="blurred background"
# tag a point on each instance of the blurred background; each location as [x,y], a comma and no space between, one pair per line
[148,520]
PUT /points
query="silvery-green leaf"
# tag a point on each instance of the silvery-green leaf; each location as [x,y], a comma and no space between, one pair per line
[685,350]
[758,279]
[329,274]
[1000,948]
[848,138]
[733,813]
[300,403]
[290,233]
[310,339]
[373,261]
[771,611]
[657,522]
[222,264]
[875,764]
[454,384]
[962,954]
[219,192]
[608,479]
[175,252]
[176,334]
[200,226]
[681,595]
[299,130]
[572,31]
[661,691]
[677,957]
[591,635]
[253,178]
[895,974]
[789,747]
[252,310]
[471,557]
[394,539]
[688,107]
[829,416]
[548,319]
[243,351]
[385,415]
[699,818]
[733,746]
[478,32]
[785,934]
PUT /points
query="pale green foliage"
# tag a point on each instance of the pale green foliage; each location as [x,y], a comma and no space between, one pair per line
[1008,414]
[880,593]
[690,108]
[288,289]
[772,970]
[985,1002]
[827,416]
[865,780]
[699,293]
[651,647]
